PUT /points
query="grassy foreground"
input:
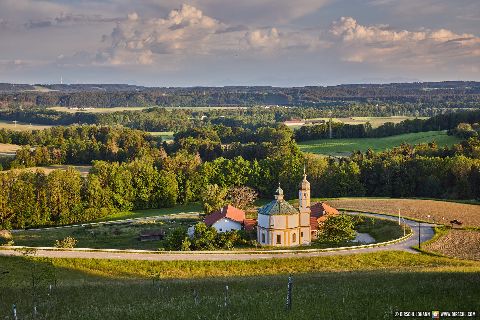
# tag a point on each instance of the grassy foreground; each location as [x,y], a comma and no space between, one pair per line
[366,286]
[343,147]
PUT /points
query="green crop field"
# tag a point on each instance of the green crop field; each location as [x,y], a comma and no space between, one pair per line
[374,121]
[344,147]
[363,286]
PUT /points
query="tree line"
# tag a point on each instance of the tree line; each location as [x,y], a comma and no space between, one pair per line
[447,94]
[31,199]
[447,121]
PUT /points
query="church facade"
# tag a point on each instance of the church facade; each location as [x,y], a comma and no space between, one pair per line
[280,224]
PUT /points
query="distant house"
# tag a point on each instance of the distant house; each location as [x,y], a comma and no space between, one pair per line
[320,211]
[226,219]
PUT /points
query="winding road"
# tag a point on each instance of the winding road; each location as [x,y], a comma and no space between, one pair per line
[426,233]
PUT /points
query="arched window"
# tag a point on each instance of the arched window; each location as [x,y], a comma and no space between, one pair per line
[263,237]
[294,237]
[279,239]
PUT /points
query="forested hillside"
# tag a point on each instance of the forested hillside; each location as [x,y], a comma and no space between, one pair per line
[450,94]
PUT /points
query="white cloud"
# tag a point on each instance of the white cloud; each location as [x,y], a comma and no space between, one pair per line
[376,43]
[263,38]
[138,40]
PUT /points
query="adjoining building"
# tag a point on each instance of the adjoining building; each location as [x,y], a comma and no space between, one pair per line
[319,212]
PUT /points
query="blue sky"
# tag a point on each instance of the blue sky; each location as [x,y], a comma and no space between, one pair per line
[248,42]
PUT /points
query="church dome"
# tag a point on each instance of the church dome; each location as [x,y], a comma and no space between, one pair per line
[277,207]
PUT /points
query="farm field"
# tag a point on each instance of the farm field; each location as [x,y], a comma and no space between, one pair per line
[97,110]
[21,126]
[362,286]
[344,147]
[464,244]
[9,149]
[48,169]
[165,135]
[119,109]
[440,211]
[374,121]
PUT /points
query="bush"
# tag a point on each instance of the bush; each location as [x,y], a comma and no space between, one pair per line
[68,242]
[5,237]
[337,229]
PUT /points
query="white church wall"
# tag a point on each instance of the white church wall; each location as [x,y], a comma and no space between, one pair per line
[263,221]
[293,221]
[279,221]
[304,219]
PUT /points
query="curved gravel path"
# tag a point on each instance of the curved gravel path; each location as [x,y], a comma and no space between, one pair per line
[426,233]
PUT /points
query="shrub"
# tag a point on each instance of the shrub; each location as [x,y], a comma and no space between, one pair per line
[68,242]
[5,237]
[337,229]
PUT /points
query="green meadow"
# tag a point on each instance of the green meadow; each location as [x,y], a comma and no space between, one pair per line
[344,147]
[363,286]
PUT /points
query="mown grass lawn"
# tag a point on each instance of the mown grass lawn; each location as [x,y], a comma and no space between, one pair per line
[116,236]
[344,147]
[185,208]
[364,286]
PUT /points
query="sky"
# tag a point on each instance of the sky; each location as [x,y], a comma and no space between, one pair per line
[239,42]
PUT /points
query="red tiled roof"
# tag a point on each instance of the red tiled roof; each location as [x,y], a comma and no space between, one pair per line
[229,212]
[249,224]
[321,208]
[313,223]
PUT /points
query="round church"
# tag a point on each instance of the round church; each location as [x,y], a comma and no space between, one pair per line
[280,224]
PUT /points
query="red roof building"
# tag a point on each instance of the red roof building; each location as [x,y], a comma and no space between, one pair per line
[320,211]
[229,218]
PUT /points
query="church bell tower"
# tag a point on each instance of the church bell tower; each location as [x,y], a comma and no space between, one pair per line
[304,209]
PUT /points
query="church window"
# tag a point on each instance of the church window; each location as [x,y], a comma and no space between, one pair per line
[279,239]
[263,237]
[294,237]
[301,234]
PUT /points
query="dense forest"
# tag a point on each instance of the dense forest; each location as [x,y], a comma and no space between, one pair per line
[449,94]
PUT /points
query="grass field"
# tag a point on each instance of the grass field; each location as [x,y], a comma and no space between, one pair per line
[343,147]
[365,286]
[181,208]
[8,149]
[118,109]
[47,169]
[165,135]
[97,110]
[125,236]
[21,126]
[374,121]
[119,236]
[440,211]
